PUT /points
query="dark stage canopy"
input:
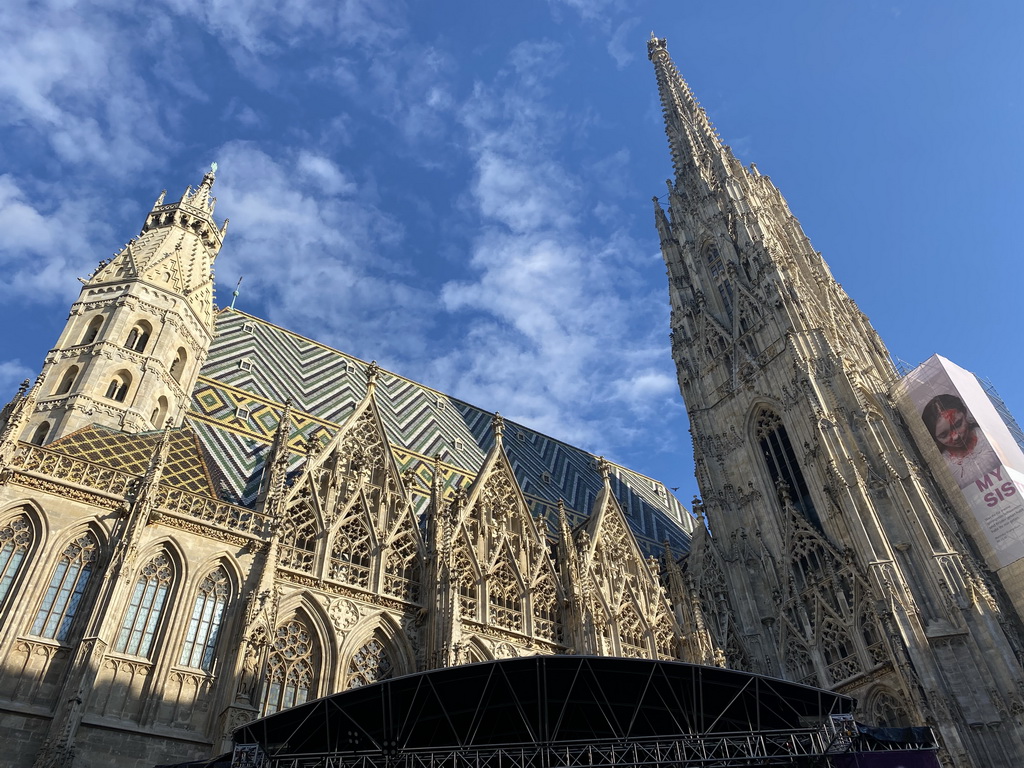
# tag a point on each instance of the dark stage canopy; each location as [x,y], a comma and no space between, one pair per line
[542,700]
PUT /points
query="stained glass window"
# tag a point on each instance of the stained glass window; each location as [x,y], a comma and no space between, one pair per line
[63,595]
[15,540]
[147,603]
[289,668]
[204,625]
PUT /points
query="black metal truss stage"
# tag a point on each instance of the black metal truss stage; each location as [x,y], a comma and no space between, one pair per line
[571,712]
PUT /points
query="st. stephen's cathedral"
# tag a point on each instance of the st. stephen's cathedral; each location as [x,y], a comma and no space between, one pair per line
[205,517]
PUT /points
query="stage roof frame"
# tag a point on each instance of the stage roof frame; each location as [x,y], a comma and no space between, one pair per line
[542,700]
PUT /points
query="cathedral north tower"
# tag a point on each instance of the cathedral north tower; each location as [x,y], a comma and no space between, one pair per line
[833,557]
[135,340]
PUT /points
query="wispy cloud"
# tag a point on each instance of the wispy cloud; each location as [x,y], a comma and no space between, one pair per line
[552,302]
[316,248]
[43,248]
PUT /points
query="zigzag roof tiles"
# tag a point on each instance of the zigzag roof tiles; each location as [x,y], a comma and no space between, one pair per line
[255,367]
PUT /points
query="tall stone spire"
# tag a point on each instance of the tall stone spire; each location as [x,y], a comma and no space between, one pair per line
[809,480]
[695,145]
[133,344]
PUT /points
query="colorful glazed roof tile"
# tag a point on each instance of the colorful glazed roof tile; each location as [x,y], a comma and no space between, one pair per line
[131,453]
[254,367]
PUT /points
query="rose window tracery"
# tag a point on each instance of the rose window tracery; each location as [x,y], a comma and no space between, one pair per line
[370,664]
[290,670]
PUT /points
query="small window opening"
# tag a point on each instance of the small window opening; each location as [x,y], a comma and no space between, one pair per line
[93,330]
[39,436]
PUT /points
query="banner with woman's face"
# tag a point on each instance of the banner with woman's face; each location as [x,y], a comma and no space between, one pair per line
[953,419]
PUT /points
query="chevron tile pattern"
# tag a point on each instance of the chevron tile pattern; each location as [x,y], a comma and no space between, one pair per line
[255,367]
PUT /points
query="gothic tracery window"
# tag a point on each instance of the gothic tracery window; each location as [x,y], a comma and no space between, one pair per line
[839,652]
[632,633]
[298,538]
[717,272]
[15,541]
[290,667]
[504,597]
[350,554]
[204,624]
[401,568]
[141,620]
[67,586]
[369,664]
[780,461]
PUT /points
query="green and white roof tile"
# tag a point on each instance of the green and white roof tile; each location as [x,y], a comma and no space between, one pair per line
[254,367]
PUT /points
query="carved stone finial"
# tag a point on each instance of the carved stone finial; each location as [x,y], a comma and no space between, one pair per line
[604,467]
[372,373]
[498,425]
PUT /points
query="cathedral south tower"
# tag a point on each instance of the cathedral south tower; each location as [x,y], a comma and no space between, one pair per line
[135,340]
[833,558]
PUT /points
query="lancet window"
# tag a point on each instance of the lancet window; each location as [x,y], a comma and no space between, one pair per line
[350,554]
[839,651]
[291,670]
[780,461]
[142,619]
[39,436]
[799,664]
[67,586]
[465,577]
[93,330]
[505,598]
[298,538]
[204,624]
[546,622]
[68,381]
[15,541]
[369,664]
[118,388]
[401,568]
[138,338]
[632,633]
[717,272]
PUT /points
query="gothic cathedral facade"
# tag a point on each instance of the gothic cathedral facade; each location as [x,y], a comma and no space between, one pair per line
[205,517]
[835,559]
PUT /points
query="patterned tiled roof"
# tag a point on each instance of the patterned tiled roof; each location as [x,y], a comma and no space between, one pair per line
[185,467]
[254,367]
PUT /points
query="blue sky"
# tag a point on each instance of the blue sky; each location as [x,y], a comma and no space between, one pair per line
[462,190]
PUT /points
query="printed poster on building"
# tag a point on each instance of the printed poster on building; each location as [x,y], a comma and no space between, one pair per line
[977,450]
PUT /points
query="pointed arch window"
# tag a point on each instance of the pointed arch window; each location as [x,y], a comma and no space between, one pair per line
[546,622]
[504,598]
[16,537]
[67,381]
[465,577]
[401,568]
[291,673]
[370,664]
[138,337]
[179,364]
[350,554]
[118,388]
[67,586]
[142,619]
[632,633]
[93,330]
[39,436]
[298,537]
[719,277]
[780,461]
[204,625]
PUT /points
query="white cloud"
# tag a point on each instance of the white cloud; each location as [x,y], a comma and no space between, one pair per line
[12,374]
[314,248]
[621,45]
[551,301]
[43,249]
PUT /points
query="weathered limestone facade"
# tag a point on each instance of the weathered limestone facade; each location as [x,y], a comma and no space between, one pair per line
[835,559]
[157,590]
